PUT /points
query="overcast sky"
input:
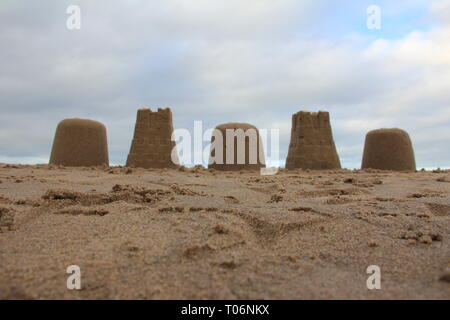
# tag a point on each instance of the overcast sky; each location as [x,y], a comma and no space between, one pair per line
[255,61]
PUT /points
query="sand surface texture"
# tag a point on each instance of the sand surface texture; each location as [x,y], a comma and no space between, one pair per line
[204,234]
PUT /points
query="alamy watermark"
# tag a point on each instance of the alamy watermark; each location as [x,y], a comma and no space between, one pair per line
[73,22]
[74,280]
[373,21]
[374,280]
[374,17]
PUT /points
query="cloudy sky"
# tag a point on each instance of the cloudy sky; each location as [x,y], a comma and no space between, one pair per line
[256,61]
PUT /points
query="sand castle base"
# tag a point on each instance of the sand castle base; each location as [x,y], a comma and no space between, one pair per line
[80,142]
[388,149]
[248,153]
[152,146]
[312,145]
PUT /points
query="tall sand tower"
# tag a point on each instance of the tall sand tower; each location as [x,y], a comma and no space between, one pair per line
[152,144]
[312,145]
[80,142]
[236,146]
[388,149]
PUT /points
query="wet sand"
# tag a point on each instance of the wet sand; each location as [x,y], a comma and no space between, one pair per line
[205,234]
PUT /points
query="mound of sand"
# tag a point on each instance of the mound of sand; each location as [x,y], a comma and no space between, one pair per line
[312,145]
[388,149]
[236,146]
[80,142]
[207,234]
[152,146]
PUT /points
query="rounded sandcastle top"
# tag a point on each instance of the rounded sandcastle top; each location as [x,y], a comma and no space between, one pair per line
[387,131]
[77,122]
[235,125]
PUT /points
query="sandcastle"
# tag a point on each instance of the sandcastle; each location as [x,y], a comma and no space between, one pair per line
[312,145]
[388,149]
[152,145]
[80,142]
[236,146]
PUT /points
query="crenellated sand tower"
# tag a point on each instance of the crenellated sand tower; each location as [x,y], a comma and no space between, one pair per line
[312,145]
[80,142]
[388,149]
[236,146]
[152,145]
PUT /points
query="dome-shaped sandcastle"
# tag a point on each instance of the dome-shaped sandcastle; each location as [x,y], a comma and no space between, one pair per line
[152,145]
[236,146]
[388,149]
[80,142]
[312,145]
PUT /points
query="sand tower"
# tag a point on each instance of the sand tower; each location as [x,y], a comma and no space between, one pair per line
[236,146]
[152,144]
[80,142]
[388,149]
[312,145]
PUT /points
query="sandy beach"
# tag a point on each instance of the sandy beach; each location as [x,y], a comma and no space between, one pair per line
[205,234]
